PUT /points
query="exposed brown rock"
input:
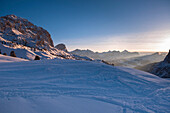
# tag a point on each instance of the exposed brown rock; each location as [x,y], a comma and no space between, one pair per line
[28,30]
[61,47]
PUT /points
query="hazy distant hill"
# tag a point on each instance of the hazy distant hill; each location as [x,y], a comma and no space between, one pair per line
[107,56]
[161,69]
[140,60]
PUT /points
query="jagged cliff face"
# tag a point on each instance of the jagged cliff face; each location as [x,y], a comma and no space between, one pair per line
[19,30]
[167,58]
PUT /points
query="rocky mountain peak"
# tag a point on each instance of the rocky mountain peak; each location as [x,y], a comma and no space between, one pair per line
[167,58]
[12,16]
[21,31]
[61,47]
[125,51]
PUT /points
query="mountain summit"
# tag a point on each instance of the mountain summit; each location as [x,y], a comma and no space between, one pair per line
[167,58]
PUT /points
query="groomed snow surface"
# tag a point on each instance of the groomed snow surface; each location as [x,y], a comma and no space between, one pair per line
[70,86]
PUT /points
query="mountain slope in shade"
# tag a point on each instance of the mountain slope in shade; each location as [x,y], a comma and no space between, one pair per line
[70,86]
[167,58]
[161,69]
[140,60]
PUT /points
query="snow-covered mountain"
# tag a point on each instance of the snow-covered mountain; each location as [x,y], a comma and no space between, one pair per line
[161,69]
[60,84]
[107,56]
[27,40]
[75,86]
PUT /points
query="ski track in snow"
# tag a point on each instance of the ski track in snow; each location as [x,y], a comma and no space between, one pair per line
[81,86]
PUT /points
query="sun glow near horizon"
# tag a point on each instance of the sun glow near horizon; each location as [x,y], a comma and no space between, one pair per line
[165,45]
[156,41]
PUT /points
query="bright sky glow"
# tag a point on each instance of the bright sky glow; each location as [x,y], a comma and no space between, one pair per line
[148,41]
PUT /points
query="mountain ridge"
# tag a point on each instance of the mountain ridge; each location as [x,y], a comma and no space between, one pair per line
[107,56]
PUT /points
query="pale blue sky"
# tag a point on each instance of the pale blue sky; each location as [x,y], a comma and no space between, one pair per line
[100,25]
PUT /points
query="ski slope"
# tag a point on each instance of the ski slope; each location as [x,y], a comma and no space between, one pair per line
[71,86]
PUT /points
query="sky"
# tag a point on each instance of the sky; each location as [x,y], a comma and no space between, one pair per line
[99,25]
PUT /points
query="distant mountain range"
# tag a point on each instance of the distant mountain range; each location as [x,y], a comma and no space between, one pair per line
[107,56]
[132,60]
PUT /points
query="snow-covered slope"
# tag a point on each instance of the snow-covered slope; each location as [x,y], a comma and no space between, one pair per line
[30,53]
[70,86]
[4,58]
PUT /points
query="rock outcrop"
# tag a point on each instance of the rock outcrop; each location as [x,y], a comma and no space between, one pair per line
[21,31]
[61,47]
[167,58]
